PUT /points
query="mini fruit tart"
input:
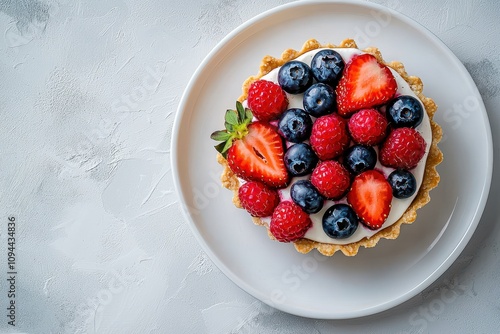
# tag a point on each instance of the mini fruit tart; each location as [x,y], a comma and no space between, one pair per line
[330,148]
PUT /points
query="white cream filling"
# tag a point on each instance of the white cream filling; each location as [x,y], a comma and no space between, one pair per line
[398,206]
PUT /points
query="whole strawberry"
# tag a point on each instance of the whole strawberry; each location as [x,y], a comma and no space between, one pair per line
[266,100]
[368,127]
[329,136]
[289,222]
[258,199]
[254,150]
[331,179]
[403,148]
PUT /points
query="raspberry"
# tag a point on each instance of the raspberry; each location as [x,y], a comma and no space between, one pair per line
[266,100]
[329,136]
[258,199]
[403,148]
[289,222]
[331,179]
[368,127]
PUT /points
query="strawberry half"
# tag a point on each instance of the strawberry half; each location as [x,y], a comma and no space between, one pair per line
[254,151]
[365,83]
[370,197]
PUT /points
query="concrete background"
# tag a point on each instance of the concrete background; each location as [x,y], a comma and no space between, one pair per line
[88,94]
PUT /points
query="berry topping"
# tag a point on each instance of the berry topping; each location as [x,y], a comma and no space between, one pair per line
[295,77]
[368,127]
[403,183]
[329,136]
[319,100]
[258,199]
[266,100]
[340,221]
[306,196]
[403,148]
[254,151]
[323,158]
[360,158]
[295,125]
[331,179]
[300,159]
[405,111]
[370,197]
[327,67]
[365,83]
[289,222]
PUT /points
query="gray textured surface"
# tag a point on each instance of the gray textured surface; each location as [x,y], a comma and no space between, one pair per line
[88,93]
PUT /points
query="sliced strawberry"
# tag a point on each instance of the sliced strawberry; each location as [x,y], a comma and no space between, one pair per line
[259,156]
[370,197]
[254,150]
[365,83]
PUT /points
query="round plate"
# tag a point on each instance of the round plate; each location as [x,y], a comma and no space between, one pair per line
[313,285]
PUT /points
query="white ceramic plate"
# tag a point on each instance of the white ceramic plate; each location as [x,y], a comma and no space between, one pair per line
[378,278]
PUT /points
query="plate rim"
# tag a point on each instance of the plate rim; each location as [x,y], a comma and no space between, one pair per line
[432,276]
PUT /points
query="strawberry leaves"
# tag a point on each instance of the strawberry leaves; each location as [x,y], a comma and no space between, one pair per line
[236,123]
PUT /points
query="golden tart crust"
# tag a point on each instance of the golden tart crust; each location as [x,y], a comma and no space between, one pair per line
[430,178]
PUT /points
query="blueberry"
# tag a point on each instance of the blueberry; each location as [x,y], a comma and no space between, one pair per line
[295,77]
[359,158]
[403,183]
[320,100]
[340,221]
[306,196]
[300,159]
[327,67]
[295,125]
[405,111]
